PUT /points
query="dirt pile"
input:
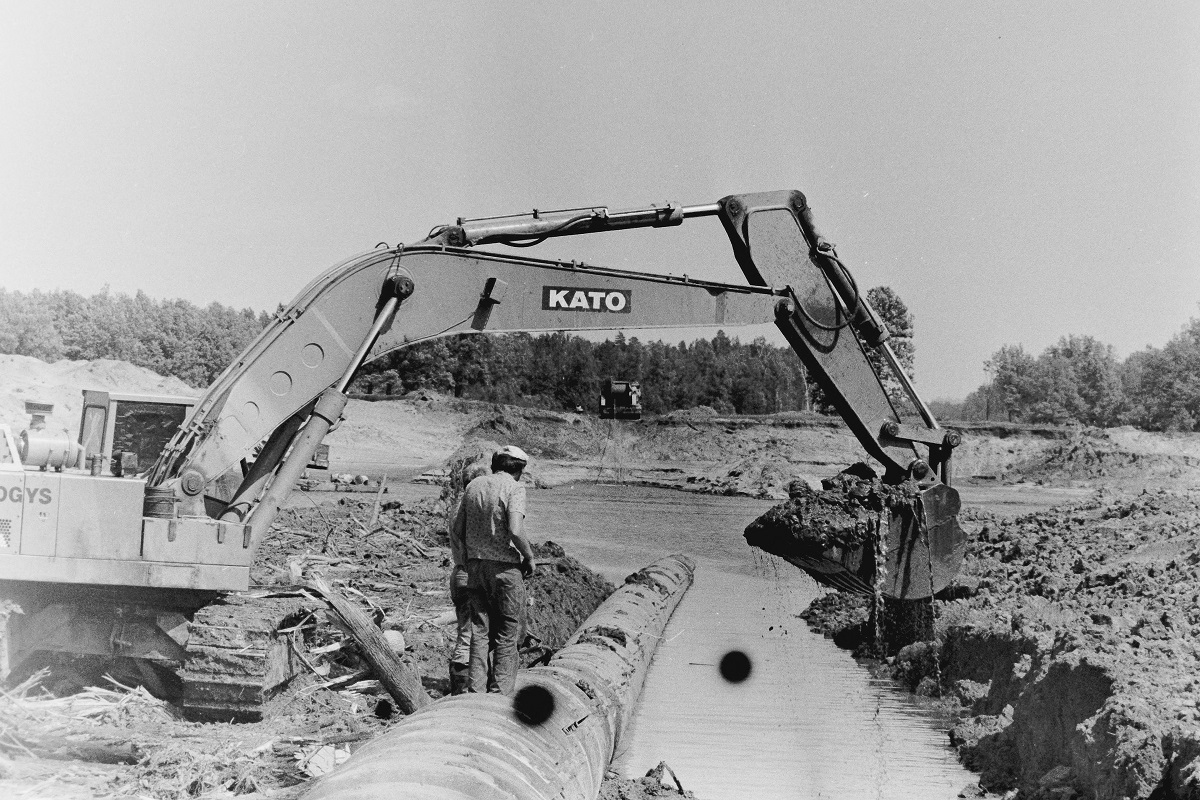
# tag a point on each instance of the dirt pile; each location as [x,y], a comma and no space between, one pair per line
[1118,454]
[541,433]
[1076,654]
[562,594]
[63,382]
[385,437]
[657,782]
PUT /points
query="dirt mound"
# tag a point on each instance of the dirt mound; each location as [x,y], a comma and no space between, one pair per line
[1103,601]
[657,782]
[1119,454]
[696,414]
[541,433]
[765,476]
[380,437]
[63,382]
[562,594]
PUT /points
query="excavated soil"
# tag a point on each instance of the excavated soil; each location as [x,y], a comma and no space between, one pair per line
[62,384]
[1075,654]
[843,514]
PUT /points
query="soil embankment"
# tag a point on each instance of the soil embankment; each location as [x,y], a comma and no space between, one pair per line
[698,450]
[1074,655]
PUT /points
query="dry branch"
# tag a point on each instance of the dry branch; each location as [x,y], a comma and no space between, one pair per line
[378,497]
[401,682]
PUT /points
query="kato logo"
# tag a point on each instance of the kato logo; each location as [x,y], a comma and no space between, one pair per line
[17,494]
[564,298]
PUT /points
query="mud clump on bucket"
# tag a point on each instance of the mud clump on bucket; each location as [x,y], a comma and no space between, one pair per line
[843,514]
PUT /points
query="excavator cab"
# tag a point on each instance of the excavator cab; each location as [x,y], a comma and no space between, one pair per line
[129,431]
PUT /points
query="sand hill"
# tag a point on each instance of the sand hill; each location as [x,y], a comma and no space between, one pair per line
[62,383]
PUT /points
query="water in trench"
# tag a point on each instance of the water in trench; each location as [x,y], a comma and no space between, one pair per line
[808,723]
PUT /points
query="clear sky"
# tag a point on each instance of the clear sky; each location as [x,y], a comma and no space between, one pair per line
[1016,170]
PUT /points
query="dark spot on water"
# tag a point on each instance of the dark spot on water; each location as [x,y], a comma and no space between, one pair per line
[735,666]
[533,704]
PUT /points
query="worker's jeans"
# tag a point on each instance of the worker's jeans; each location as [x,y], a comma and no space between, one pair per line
[460,657]
[460,595]
[497,621]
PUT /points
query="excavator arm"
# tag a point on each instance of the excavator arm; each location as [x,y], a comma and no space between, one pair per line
[288,388]
[387,299]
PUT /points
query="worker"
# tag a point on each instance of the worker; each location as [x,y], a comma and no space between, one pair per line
[460,656]
[490,521]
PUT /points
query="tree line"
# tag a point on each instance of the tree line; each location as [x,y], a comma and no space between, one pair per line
[1076,380]
[558,370]
[563,371]
[171,337]
[1080,380]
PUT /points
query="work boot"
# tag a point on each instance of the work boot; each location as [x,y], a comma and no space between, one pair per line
[460,678]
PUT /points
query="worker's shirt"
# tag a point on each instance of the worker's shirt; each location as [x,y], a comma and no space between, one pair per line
[458,542]
[483,517]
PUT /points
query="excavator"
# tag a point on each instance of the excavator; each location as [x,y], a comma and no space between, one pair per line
[155,565]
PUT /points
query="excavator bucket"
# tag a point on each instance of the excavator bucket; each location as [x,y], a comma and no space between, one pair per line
[925,546]
[843,535]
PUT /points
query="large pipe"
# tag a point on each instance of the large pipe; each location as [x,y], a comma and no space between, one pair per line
[473,746]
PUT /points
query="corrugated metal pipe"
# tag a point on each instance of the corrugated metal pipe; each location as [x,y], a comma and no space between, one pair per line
[474,747]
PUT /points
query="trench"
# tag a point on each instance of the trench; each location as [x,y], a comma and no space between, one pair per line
[809,722]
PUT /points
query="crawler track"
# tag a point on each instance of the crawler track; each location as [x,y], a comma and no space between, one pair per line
[240,653]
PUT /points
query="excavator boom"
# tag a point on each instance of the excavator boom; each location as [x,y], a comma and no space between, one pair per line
[316,340]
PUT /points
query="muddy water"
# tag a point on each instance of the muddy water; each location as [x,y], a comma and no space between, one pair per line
[808,722]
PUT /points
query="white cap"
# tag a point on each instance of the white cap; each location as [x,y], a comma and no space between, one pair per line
[512,451]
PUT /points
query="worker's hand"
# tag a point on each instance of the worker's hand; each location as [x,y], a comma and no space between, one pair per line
[528,566]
